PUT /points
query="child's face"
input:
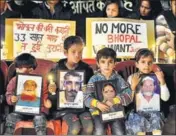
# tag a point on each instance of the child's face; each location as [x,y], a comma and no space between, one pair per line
[112,10]
[106,65]
[74,53]
[24,70]
[145,64]
[108,92]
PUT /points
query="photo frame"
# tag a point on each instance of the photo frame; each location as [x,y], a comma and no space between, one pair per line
[147,97]
[29,94]
[70,94]
[106,91]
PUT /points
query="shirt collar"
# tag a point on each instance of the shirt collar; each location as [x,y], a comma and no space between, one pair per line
[111,77]
[48,7]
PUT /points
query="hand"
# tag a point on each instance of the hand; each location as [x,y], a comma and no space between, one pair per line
[47,103]
[14,99]
[160,77]
[165,40]
[135,81]
[109,103]
[103,107]
[52,88]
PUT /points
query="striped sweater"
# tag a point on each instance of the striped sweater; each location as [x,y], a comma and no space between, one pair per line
[90,99]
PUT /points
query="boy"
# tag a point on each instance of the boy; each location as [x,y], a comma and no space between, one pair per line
[144,61]
[25,63]
[73,48]
[106,58]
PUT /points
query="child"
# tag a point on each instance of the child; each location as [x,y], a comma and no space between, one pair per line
[144,61]
[73,48]
[25,63]
[106,58]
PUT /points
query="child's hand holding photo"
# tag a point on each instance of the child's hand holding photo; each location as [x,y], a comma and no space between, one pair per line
[103,107]
[14,99]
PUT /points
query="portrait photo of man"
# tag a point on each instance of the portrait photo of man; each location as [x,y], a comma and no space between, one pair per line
[28,92]
[148,98]
[28,96]
[71,91]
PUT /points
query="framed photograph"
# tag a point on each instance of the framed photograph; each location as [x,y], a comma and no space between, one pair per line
[106,92]
[29,93]
[70,94]
[147,95]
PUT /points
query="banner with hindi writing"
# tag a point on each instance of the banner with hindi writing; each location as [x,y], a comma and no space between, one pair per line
[42,38]
[125,36]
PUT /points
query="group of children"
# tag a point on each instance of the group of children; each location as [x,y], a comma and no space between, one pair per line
[87,121]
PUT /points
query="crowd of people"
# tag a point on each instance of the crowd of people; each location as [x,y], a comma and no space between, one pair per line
[87,120]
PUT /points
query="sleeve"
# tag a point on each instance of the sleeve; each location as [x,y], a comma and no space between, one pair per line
[89,94]
[89,74]
[129,80]
[53,99]
[10,90]
[162,30]
[125,95]
[165,94]
[2,91]
[68,13]
[44,93]
[36,12]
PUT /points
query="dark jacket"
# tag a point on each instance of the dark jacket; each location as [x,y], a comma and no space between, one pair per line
[25,10]
[136,15]
[42,11]
[6,14]
[61,66]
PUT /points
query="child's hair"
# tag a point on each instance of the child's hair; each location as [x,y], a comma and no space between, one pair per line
[106,53]
[71,40]
[144,52]
[25,60]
